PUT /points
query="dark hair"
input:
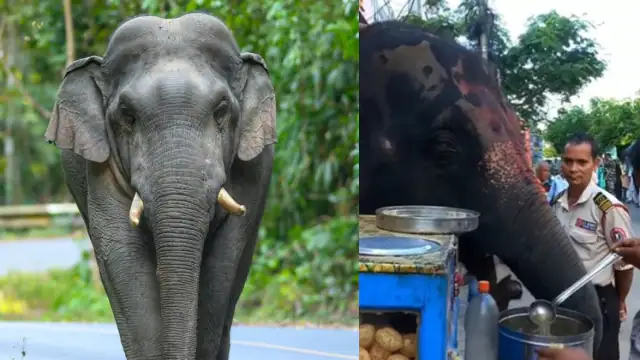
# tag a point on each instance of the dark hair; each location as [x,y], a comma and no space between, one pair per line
[584,138]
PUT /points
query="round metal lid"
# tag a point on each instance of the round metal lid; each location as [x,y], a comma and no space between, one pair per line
[396,246]
[426,219]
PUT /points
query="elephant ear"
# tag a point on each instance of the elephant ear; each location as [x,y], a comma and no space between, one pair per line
[258,127]
[78,121]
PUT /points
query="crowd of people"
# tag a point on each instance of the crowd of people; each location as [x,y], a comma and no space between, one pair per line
[587,197]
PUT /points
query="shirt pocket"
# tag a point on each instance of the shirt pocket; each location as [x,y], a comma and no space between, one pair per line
[585,242]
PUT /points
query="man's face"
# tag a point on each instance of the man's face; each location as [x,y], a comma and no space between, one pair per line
[543,172]
[577,164]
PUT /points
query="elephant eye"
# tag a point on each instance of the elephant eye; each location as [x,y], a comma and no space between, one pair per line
[221,113]
[445,151]
[126,114]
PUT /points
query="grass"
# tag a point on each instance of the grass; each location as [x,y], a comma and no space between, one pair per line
[43,233]
[68,295]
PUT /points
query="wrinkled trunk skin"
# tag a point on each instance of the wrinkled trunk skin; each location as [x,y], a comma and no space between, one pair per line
[179,219]
[524,233]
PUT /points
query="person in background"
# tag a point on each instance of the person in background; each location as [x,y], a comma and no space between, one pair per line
[552,185]
[601,181]
[629,249]
[595,221]
[613,176]
[617,187]
[624,182]
[632,192]
[609,169]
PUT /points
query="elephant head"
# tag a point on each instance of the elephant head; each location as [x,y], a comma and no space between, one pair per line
[169,109]
[436,130]
[127,104]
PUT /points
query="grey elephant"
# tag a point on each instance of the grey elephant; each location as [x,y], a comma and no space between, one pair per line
[436,130]
[171,114]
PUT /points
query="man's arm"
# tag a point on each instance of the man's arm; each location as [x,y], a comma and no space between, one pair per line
[617,227]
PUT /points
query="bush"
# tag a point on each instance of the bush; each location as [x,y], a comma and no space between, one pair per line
[58,295]
[314,276]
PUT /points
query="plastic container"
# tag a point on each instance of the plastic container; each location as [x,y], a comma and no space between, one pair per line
[481,326]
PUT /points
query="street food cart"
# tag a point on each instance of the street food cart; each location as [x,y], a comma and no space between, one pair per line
[409,277]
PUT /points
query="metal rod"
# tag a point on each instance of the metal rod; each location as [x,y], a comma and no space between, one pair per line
[609,260]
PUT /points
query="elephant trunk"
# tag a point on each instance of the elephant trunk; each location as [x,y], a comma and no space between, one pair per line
[530,240]
[176,204]
[180,225]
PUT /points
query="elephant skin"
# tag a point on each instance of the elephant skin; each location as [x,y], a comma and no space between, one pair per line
[172,112]
[436,130]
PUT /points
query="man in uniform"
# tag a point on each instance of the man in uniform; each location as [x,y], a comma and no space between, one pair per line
[630,251]
[595,221]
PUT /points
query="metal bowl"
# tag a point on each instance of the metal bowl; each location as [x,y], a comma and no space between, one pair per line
[426,219]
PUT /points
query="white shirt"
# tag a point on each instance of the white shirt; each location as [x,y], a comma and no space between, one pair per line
[592,231]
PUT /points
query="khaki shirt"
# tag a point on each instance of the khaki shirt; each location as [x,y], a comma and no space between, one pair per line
[592,231]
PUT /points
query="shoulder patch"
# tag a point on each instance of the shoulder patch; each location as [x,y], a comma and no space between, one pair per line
[617,234]
[602,202]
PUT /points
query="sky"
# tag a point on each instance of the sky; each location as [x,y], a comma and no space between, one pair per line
[614,19]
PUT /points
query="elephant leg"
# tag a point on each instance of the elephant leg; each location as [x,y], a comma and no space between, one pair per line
[236,291]
[220,280]
[227,257]
[127,268]
[483,267]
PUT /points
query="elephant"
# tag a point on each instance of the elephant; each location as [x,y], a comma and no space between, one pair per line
[436,129]
[161,139]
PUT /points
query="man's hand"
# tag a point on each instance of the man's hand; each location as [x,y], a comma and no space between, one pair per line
[629,249]
[563,354]
[623,310]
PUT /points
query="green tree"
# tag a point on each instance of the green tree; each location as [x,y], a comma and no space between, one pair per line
[553,57]
[306,257]
[611,122]
[615,123]
[568,122]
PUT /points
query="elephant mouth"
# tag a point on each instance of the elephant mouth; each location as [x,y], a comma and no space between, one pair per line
[224,199]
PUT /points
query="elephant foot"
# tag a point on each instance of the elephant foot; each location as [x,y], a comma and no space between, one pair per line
[506,290]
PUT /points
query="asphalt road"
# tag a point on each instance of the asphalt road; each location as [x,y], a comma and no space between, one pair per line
[62,341]
[58,341]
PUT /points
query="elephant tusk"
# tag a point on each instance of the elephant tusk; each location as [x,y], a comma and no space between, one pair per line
[227,202]
[136,210]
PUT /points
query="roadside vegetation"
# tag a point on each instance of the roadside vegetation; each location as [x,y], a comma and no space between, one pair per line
[305,268]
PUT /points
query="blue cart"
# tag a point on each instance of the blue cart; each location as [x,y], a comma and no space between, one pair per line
[412,273]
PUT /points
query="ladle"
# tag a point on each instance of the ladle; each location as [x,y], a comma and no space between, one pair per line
[543,312]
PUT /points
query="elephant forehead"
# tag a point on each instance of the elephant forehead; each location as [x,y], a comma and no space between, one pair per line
[482,101]
[179,73]
[190,26]
[416,61]
[200,33]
